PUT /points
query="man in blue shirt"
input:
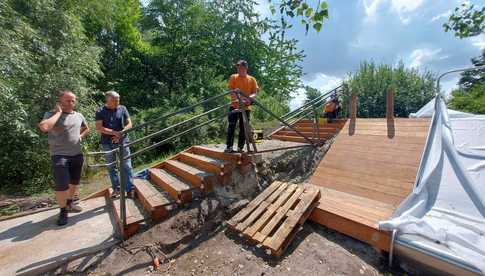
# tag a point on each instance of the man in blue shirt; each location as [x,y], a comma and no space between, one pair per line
[111,120]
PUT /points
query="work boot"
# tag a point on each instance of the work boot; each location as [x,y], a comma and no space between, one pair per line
[62,220]
[73,207]
[115,194]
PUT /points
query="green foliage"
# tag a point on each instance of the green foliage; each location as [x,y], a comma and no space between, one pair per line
[371,83]
[471,100]
[466,21]
[42,48]
[310,16]
[160,58]
[311,93]
[474,77]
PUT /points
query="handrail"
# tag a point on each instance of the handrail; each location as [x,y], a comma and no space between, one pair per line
[311,102]
[172,137]
[182,110]
[120,150]
[306,107]
[176,125]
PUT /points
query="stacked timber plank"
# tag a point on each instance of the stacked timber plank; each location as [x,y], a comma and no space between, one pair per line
[323,132]
[368,171]
[175,182]
[275,216]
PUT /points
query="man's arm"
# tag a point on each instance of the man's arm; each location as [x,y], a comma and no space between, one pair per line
[126,116]
[84,130]
[48,123]
[128,124]
[103,130]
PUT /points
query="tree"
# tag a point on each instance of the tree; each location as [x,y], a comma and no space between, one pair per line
[471,100]
[311,93]
[42,48]
[474,77]
[466,21]
[310,15]
[371,83]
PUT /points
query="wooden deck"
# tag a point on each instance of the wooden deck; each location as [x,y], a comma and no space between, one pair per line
[370,168]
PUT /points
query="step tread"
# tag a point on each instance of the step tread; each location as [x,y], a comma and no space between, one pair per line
[216,153]
[133,213]
[170,179]
[154,197]
[218,162]
[190,169]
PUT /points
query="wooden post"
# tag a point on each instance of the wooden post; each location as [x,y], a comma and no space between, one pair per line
[390,104]
[391,131]
[353,106]
[353,113]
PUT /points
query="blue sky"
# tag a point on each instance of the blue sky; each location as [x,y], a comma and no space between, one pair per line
[385,31]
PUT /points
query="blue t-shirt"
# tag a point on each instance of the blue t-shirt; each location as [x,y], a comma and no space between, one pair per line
[114,119]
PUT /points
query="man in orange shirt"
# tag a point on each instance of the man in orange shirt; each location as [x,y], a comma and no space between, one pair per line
[248,86]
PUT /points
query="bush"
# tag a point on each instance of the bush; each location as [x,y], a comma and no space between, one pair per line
[413,89]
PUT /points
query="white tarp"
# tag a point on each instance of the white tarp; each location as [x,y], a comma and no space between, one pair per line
[447,204]
[428,109]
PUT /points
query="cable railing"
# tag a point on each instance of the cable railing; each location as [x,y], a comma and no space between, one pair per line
[211,116]
[308,109]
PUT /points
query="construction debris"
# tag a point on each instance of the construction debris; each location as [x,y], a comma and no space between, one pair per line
[274,217]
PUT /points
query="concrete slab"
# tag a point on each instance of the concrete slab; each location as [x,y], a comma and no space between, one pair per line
[34,244]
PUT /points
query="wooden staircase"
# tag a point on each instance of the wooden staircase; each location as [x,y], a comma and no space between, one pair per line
[326,131]
[177,181]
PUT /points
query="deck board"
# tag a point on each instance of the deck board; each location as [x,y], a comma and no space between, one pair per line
[366,174]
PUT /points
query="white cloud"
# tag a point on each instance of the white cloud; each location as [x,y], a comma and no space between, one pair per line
[478,41]
[403,8]
[371,7]
[446,14]
[319,81]
[421,56]
[406,6]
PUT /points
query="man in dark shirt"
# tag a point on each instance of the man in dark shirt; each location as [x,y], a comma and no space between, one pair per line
[111,120]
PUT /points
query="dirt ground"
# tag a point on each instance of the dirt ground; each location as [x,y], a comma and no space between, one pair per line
[196,242]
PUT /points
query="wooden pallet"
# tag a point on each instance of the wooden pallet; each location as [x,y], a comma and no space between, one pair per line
[274,217]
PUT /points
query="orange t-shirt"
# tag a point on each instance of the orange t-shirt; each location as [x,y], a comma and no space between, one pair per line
[330,107]
[248,86]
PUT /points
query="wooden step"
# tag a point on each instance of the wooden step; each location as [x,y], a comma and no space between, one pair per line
[154,202]
[234,158]
[323,135]
[332,125]
[176,188]
[134,216]
[274,217]
[310,129]
[336,121]
[208,164]
[193,175]
[294,139]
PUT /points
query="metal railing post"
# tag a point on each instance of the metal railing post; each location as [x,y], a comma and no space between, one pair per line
[122,173]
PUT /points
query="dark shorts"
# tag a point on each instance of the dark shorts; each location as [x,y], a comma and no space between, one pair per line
[67,170]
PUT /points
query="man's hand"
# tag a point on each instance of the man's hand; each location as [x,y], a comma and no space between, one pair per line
[58,108]
[115,139]
[116,134]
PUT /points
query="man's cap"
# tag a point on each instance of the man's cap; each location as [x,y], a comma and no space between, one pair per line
[242,62]
[112,93]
